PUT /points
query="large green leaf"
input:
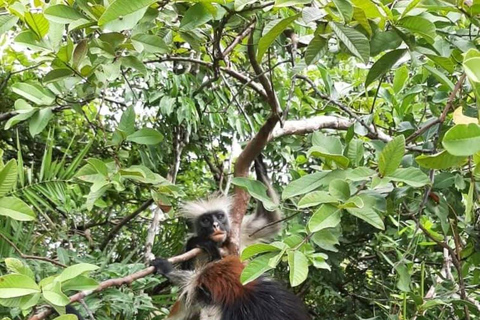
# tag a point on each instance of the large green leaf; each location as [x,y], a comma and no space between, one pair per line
[368,215]
[80,283]
[17,285]
[127,121]
[256,268]
[195,16]
[384,65]
[61,13]
[16,209]
[420,26]
[39,121]
[290,3]
[316,49]
[391,156]
[121,8]
[345,8]
[411,176]
[462,140]
[8,177]
[303,185]
[272,34]
[442,78]
[7,22]
[315,198]
[339,159]
[257,190]
[37,23]
[57,74]
[327,216]
[34,92]
[150,43]
[442,160]
[146,136]
[298,264]
[326,239]
[256,249]
[53,294]
[354,40]
[75,270]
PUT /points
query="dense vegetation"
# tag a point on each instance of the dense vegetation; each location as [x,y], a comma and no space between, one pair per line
[112,112]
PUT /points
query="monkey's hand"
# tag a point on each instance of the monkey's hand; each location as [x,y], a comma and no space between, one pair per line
[162,266]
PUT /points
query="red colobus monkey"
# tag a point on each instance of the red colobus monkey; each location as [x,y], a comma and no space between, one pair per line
[217,292]
[211,225]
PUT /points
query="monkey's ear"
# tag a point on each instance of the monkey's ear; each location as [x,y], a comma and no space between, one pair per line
[162,266]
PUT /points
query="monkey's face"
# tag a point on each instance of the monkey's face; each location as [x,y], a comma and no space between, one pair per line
[214,225]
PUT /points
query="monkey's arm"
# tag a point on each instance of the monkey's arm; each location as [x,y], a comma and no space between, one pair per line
[207,245]
[177,277]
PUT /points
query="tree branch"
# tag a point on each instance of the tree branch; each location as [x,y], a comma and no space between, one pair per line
[119,282]
[29,257]
[124,221]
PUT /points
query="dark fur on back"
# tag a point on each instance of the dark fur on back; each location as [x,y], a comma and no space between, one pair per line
[263,299]
[266,301]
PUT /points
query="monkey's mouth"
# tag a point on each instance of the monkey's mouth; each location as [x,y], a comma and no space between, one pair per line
[218,236]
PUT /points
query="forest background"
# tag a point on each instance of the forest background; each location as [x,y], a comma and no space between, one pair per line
[366,112]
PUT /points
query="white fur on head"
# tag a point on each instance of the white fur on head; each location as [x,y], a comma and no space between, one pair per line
[194,209]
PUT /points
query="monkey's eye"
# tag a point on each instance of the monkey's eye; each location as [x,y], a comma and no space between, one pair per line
[205,220]
[220,216]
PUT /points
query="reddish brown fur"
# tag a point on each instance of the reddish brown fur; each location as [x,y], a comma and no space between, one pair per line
[222,280]
[175,308]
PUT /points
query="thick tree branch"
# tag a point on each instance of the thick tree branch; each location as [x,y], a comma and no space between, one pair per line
[239,38]
[124,221]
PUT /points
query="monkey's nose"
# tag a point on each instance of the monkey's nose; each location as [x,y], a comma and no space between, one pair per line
[215,225]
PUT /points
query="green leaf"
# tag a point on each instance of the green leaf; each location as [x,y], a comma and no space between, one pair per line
[391,156]
[327,216]
[99,166]
[37,23]
[258,248]
[127,121]
[383,41]
[97,190]
[257,190]
[75,270]
[411,176]
[16,266]
[121,8]
[17,285]
[420,26]
[442,160]
[339,189]
[400,79]
[410,7]
[34,92]
[62,14]
[315,50]
[256,268]
[57,74]
[404,278]
[354,40]
[326,239]
[360,16]
[16,209]
[134,63]
[383,65]
[321,152]
[7,22]
[315,198]
[80,283]
[368,215]
[54,295]
[146,136]
[303,185]
[462,140]
[8,177]
[442,78]
[345,8]
[272,34]
[66,317]
[240,4]
[298,264]
[196,16]
[290,3]
[151,43]
[39,121]
[443,62]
